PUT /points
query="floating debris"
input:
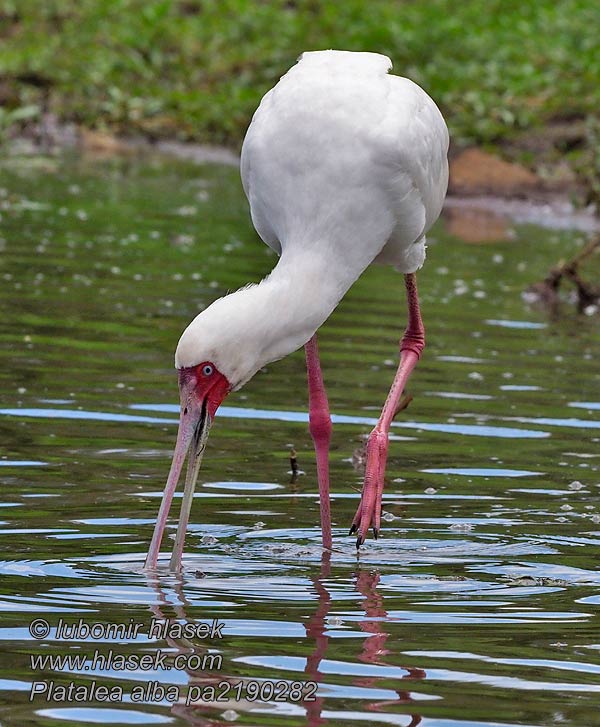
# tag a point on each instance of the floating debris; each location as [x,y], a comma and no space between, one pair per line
[187,211]
[541,581]
[461,527]
[230,715]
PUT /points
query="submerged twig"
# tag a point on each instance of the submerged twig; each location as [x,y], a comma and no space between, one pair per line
[586,251]
[293,461]
[295,471]
[587,294]
[405,400]
[546,291]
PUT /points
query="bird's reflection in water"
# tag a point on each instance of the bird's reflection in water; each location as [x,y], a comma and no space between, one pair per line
[197,713]
[190,713]
[316,631]
[375,648]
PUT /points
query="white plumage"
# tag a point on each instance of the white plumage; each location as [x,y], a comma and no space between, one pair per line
[343,165]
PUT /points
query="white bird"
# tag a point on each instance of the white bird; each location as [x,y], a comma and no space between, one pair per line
[343,165]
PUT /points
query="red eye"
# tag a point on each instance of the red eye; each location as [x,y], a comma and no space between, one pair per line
[207,370]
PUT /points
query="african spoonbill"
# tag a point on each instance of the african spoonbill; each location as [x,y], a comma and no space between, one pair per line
[343,165]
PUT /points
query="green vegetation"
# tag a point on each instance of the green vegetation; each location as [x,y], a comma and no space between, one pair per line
[195,69]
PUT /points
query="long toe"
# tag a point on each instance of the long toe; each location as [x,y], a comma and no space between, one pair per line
[356,518]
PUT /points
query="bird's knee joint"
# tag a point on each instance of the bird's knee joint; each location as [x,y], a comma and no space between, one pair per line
[413,341]
[378,438]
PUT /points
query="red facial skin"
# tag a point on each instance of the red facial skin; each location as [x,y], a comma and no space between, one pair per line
[203,382]
[202,388]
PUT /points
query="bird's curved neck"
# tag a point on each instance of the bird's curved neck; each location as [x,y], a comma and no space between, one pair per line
[292,302]
[243,331]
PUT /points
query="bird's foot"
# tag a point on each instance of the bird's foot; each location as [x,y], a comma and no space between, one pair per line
[368,513]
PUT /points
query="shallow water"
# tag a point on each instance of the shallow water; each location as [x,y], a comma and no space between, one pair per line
[479,605]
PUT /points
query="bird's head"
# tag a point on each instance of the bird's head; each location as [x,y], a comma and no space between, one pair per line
[202,389]
[220,350]
[211,360]
[203,386]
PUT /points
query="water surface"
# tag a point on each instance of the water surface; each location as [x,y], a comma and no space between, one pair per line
[478,605]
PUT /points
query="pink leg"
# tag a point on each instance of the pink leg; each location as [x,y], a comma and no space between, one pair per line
[320,430]
[411,346]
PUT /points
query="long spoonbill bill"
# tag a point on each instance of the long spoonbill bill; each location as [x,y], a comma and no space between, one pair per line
[343,165]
